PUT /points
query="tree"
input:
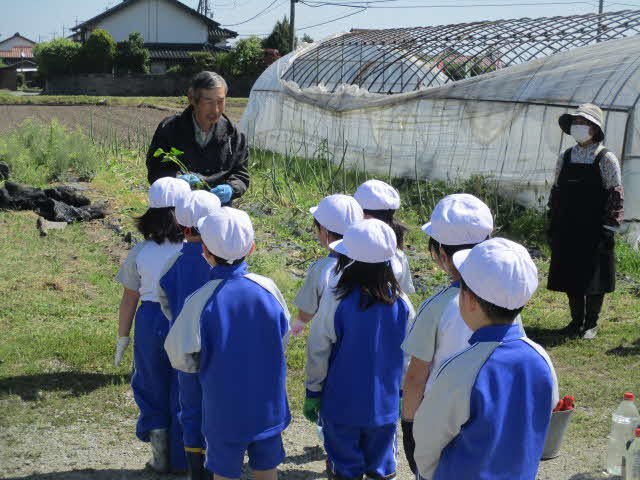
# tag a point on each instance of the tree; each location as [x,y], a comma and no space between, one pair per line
[57,57]
[97,53]
[131,56]
[307,39]
[247,55]
[279,37]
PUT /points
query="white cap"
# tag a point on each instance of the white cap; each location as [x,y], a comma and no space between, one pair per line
[459,219]
[227,233]
[368,241]
[337,212]
[166,191]
[499,271]
[377,195]
[194,206]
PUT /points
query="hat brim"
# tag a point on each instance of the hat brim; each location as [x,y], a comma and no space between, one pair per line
[566,120]
[338,246]
[426,228]
[313,210]
[460,257]
[200,222]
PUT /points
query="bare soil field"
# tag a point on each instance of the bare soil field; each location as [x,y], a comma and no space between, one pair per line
[104,122]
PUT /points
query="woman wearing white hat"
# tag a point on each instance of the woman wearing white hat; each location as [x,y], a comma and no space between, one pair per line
[586,205]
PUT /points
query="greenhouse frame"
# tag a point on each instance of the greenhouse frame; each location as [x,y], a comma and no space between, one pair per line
[450,102]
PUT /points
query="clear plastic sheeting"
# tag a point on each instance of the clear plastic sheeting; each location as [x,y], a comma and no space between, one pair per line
[502,125]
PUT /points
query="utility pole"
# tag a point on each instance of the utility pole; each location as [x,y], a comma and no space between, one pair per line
[600,12]
[292,25]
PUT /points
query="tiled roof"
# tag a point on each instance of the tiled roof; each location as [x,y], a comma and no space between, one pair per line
[17,52]
[168,51]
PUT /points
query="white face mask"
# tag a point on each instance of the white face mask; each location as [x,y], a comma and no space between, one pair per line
[580,133]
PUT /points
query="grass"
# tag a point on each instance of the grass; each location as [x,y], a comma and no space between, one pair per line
[38,154]
[60,301]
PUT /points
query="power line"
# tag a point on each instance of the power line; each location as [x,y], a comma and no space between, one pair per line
[256,15]
[332,20]
[366,4]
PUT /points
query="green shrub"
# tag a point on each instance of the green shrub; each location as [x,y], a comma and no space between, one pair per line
[20,80]
[97,53]
[38,153]
[57,57]
[131,56]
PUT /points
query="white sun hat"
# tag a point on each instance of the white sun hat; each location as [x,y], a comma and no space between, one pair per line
[377,195]
[499,271]
[337,212]
[194,206]
[368,241]
[166,191]
[459,219]
[227,233]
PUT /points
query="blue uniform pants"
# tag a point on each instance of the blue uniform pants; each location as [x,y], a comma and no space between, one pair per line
[155,383]
[354,451]
[191,410]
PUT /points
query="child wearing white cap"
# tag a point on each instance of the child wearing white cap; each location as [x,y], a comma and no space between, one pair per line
[233,332]
[154,383]
[331,217]
[380,200]
[458,222]
[497,395]
[182,275]
[354,360]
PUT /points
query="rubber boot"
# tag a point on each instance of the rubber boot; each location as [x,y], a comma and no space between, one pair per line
[195,463]
[577,308]
[159,440]
[593,307]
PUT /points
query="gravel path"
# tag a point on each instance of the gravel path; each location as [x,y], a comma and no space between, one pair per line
[83,452]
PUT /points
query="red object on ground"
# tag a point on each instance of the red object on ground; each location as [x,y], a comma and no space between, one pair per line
[569,402]
[629,396]
[559,406]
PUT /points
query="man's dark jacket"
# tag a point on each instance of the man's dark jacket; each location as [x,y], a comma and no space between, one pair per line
[223,160]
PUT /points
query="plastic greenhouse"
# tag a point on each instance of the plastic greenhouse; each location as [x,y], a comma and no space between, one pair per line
[458,100]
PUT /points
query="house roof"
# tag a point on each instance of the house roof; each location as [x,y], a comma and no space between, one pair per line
[17,35]
[17,52]
[125,3]
[177,51]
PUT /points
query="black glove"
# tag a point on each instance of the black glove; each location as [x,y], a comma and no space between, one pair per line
[409,443]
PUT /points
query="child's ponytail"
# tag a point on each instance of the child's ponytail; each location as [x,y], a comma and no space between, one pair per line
[376,282]
[160,225]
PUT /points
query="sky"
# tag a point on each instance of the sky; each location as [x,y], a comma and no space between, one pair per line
[41,20]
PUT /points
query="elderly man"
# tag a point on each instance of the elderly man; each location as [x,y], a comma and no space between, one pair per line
[215,151]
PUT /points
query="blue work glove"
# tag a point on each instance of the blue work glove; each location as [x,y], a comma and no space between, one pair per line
[223,192]
[190,178]
[311,409]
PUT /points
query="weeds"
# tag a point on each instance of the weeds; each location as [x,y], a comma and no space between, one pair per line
[38,153]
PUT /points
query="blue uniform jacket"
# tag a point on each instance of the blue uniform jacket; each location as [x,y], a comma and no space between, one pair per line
[184,274]
[354,359]
[234,332]
[488,410]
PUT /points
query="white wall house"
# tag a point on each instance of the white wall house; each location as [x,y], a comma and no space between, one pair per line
[171,29]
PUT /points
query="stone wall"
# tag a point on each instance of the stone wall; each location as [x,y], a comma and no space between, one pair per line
[135,85]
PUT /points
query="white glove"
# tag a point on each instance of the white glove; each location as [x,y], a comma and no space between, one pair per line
[298,327]
[123,343]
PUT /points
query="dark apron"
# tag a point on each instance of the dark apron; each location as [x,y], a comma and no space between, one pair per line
[582,256]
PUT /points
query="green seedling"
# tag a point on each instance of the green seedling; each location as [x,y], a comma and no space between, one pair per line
[172,157]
